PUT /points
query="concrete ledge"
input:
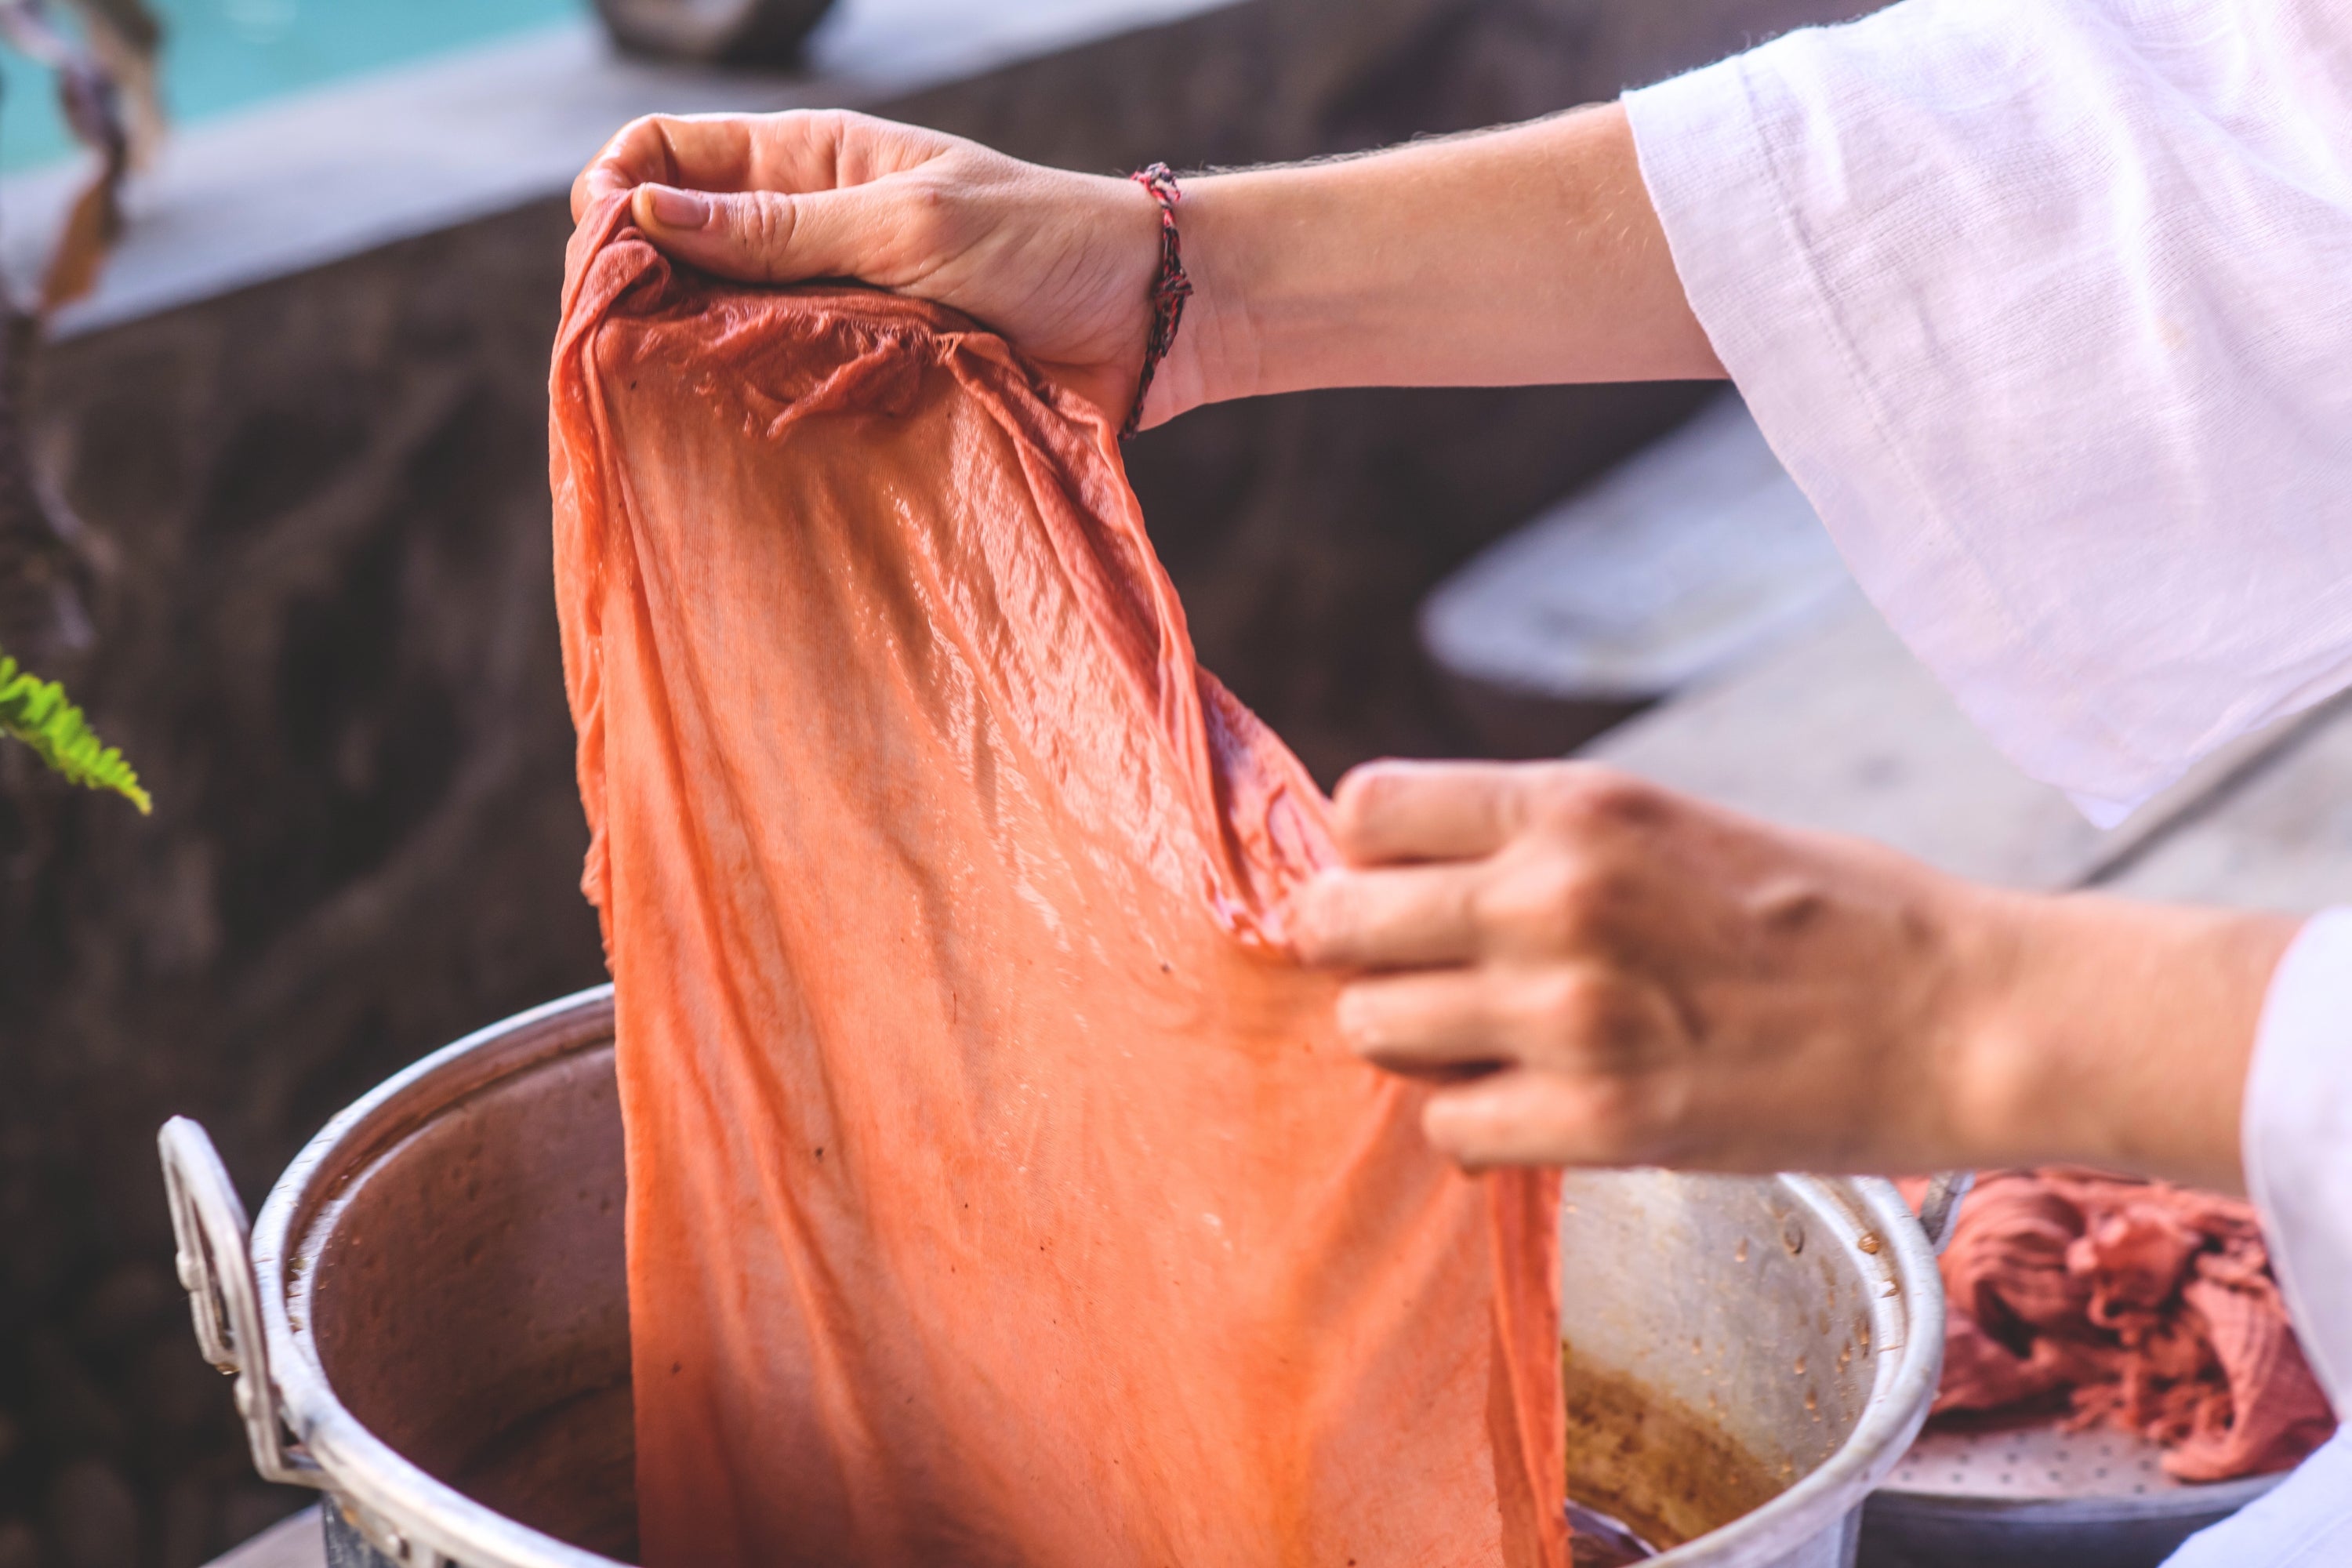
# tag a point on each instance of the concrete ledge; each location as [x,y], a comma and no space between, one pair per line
[1843,730]
[327,174]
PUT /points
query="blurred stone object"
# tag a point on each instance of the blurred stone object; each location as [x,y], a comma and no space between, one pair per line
[1688,557]
[717,31]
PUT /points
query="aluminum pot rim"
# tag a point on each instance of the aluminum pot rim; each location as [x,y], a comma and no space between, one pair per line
[361,1468]
[1899,1262]
[414,1512]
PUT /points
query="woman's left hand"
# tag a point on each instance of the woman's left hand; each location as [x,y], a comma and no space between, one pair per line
[1600,972]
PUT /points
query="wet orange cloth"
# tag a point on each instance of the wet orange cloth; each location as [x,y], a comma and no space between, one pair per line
[998,1191]
[2142,1305]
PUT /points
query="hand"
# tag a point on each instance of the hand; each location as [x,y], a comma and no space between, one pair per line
[1531,254]
[1061,264]
[1626,976]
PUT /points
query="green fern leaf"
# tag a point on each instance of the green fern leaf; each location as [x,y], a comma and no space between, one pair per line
[36,711]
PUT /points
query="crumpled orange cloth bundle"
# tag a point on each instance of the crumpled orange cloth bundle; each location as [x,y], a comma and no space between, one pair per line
[2146,1305]
[999,1192]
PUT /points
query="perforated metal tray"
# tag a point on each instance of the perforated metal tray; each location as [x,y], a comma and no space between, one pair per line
[2036,1497]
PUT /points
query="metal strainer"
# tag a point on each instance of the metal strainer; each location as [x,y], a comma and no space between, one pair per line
[2034,1496]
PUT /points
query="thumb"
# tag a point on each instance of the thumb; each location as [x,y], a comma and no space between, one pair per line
[766,236]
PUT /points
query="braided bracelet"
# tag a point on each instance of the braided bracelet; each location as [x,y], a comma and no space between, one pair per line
[1170,290]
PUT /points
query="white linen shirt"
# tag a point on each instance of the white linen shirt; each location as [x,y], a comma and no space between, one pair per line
[2047,305]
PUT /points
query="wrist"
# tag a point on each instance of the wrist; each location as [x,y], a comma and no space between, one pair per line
[1994,1056]
[1526,255]
[1215,356]
[2094,1030]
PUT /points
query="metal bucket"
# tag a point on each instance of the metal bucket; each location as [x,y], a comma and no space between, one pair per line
[429,1322]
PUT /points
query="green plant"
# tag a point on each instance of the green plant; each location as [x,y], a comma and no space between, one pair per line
[36,711]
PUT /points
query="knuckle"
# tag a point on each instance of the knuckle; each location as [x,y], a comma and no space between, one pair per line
[1612,1120]
[883,146]
[626,149]
[1578,800]
[792,129]
[1550,903]
[655,138]
[930,215]
[1594,1021]
[1550,1009]
[844,123]
[924,213]
[1547,1119]
[642,128]
[1568,1011]
[764,225]
[1504,908]
[816,125]
[1585,1008]
[1363,795]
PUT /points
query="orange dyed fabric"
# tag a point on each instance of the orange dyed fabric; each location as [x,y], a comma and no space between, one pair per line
[998,1191]
[2139,1304]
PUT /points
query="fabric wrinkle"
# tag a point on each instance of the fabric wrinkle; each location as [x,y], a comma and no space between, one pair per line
[1000,1190]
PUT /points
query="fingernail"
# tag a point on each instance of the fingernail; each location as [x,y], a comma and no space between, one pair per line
[674,209]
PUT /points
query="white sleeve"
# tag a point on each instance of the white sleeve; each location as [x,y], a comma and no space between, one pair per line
[2047,305]
[2299,1142]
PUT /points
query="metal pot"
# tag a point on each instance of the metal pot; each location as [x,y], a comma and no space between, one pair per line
[429,1321]
[1746,1359]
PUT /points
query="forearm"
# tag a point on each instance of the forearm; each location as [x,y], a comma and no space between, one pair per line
[1526,255]
[2109,1033]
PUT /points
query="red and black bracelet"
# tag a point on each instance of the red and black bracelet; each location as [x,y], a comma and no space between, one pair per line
[1170,290]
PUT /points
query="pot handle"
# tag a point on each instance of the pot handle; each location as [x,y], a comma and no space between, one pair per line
[216,1266]
[1940,1207]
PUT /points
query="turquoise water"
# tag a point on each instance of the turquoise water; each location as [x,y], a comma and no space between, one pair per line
[220,54]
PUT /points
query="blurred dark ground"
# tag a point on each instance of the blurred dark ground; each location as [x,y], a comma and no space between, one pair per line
[326,638]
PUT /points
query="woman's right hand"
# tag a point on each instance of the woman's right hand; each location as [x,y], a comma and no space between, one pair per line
[1600,972]
[1060,263]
